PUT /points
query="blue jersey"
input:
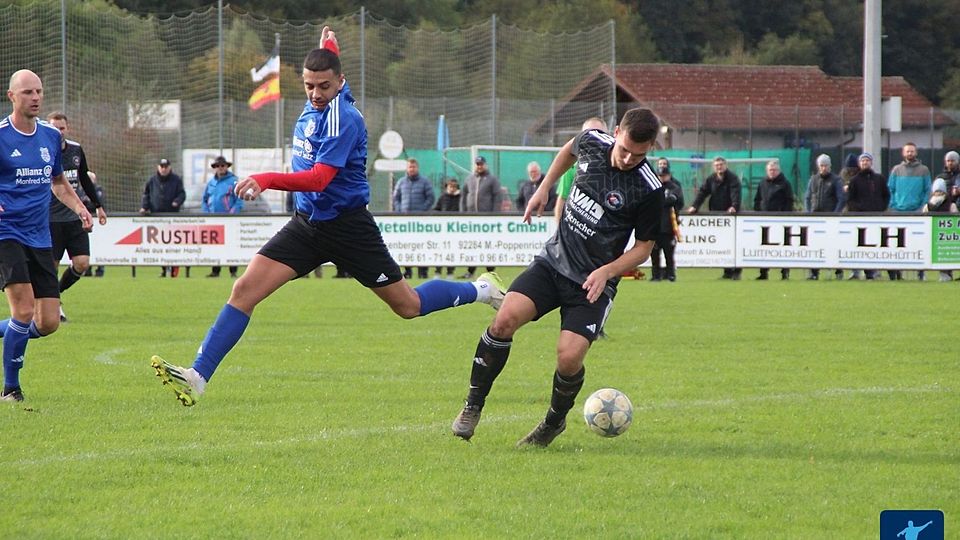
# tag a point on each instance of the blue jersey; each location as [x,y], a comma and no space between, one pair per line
[335,136]
[28,165]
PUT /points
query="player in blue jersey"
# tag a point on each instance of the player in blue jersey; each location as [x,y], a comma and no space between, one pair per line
[331,224]
[615,194]
[30,155]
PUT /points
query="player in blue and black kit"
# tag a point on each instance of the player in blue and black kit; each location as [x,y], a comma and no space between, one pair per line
[331,224]
[615,194]
[29,167]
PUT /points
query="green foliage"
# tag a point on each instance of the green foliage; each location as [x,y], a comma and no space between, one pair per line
[793,50]
[762,410]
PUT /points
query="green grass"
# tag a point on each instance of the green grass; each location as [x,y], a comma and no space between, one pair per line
[762,410]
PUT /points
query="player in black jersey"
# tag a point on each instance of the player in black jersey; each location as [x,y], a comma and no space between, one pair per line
[615,194]
[66,230]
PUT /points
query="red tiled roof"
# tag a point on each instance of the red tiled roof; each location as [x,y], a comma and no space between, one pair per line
[728,97]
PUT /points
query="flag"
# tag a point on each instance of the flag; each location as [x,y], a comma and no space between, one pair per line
[443,134]
[265,93]
[270,67]
[269,72]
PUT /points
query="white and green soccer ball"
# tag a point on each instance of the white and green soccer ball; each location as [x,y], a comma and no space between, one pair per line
[608,412]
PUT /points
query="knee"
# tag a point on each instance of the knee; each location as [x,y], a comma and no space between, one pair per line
[48,326]
[504,326]
[81,265]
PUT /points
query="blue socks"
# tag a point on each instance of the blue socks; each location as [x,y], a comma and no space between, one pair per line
[438,294]
[14,346]
[222,336]
[34,333]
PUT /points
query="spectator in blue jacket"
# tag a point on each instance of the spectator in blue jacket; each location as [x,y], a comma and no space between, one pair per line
[909,184]
[413,193]
[219,198]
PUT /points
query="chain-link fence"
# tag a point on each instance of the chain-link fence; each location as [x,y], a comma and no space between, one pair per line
[138,88]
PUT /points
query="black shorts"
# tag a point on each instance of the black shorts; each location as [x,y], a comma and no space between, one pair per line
[25,264]
[549,290]
[69,236]
[352,241]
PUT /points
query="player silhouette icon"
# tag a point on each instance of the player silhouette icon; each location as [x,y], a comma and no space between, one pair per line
[910,532]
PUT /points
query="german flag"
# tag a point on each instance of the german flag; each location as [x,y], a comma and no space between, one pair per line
[267,92]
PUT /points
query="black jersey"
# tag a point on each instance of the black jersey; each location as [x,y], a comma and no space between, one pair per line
[605,205]
[75,171]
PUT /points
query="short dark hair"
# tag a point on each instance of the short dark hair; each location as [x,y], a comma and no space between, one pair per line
[641,125]
[57,115]
[322,60]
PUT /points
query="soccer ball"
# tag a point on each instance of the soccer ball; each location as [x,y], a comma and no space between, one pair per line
[608,412]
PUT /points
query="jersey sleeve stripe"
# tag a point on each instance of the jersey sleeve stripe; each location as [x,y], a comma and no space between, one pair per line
[647,173]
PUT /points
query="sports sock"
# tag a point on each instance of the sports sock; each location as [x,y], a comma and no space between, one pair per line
[222,336]
[565,390]
[488,362]
[438,294]
[69,277]
[32,331]
[14,346]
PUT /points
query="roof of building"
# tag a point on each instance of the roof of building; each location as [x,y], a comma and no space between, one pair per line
[731,97]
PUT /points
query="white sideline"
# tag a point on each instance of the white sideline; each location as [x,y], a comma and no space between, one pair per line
[443,428]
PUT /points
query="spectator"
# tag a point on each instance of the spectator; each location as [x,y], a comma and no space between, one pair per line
[449,201]
[527,189]
[851,166]
[413,193]
[940,203]
[824,194]
[480,193]
[219,198]
[666,240]
[163,192]
[723,188]
[951,174]
[774,194]
[867,192]
[566,181]
[909,185]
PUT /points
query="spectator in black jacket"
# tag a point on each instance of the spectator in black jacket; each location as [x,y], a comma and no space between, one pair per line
[867,192]
[723,188]
[448,201]
[774,194]
[666,241]
[163,192]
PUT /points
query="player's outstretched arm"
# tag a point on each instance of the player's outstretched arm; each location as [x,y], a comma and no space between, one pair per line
[632,258]
[563,161]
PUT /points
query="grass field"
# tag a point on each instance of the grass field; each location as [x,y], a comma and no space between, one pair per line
[763,410]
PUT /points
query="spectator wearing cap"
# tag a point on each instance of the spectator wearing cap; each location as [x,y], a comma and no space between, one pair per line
[867,192]
[163,192]
[824,194]
[951,174]
[480,193]
[219,198]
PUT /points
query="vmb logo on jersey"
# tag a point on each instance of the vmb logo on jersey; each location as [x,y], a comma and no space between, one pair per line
[911,525]
[788,241]
[878,242]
